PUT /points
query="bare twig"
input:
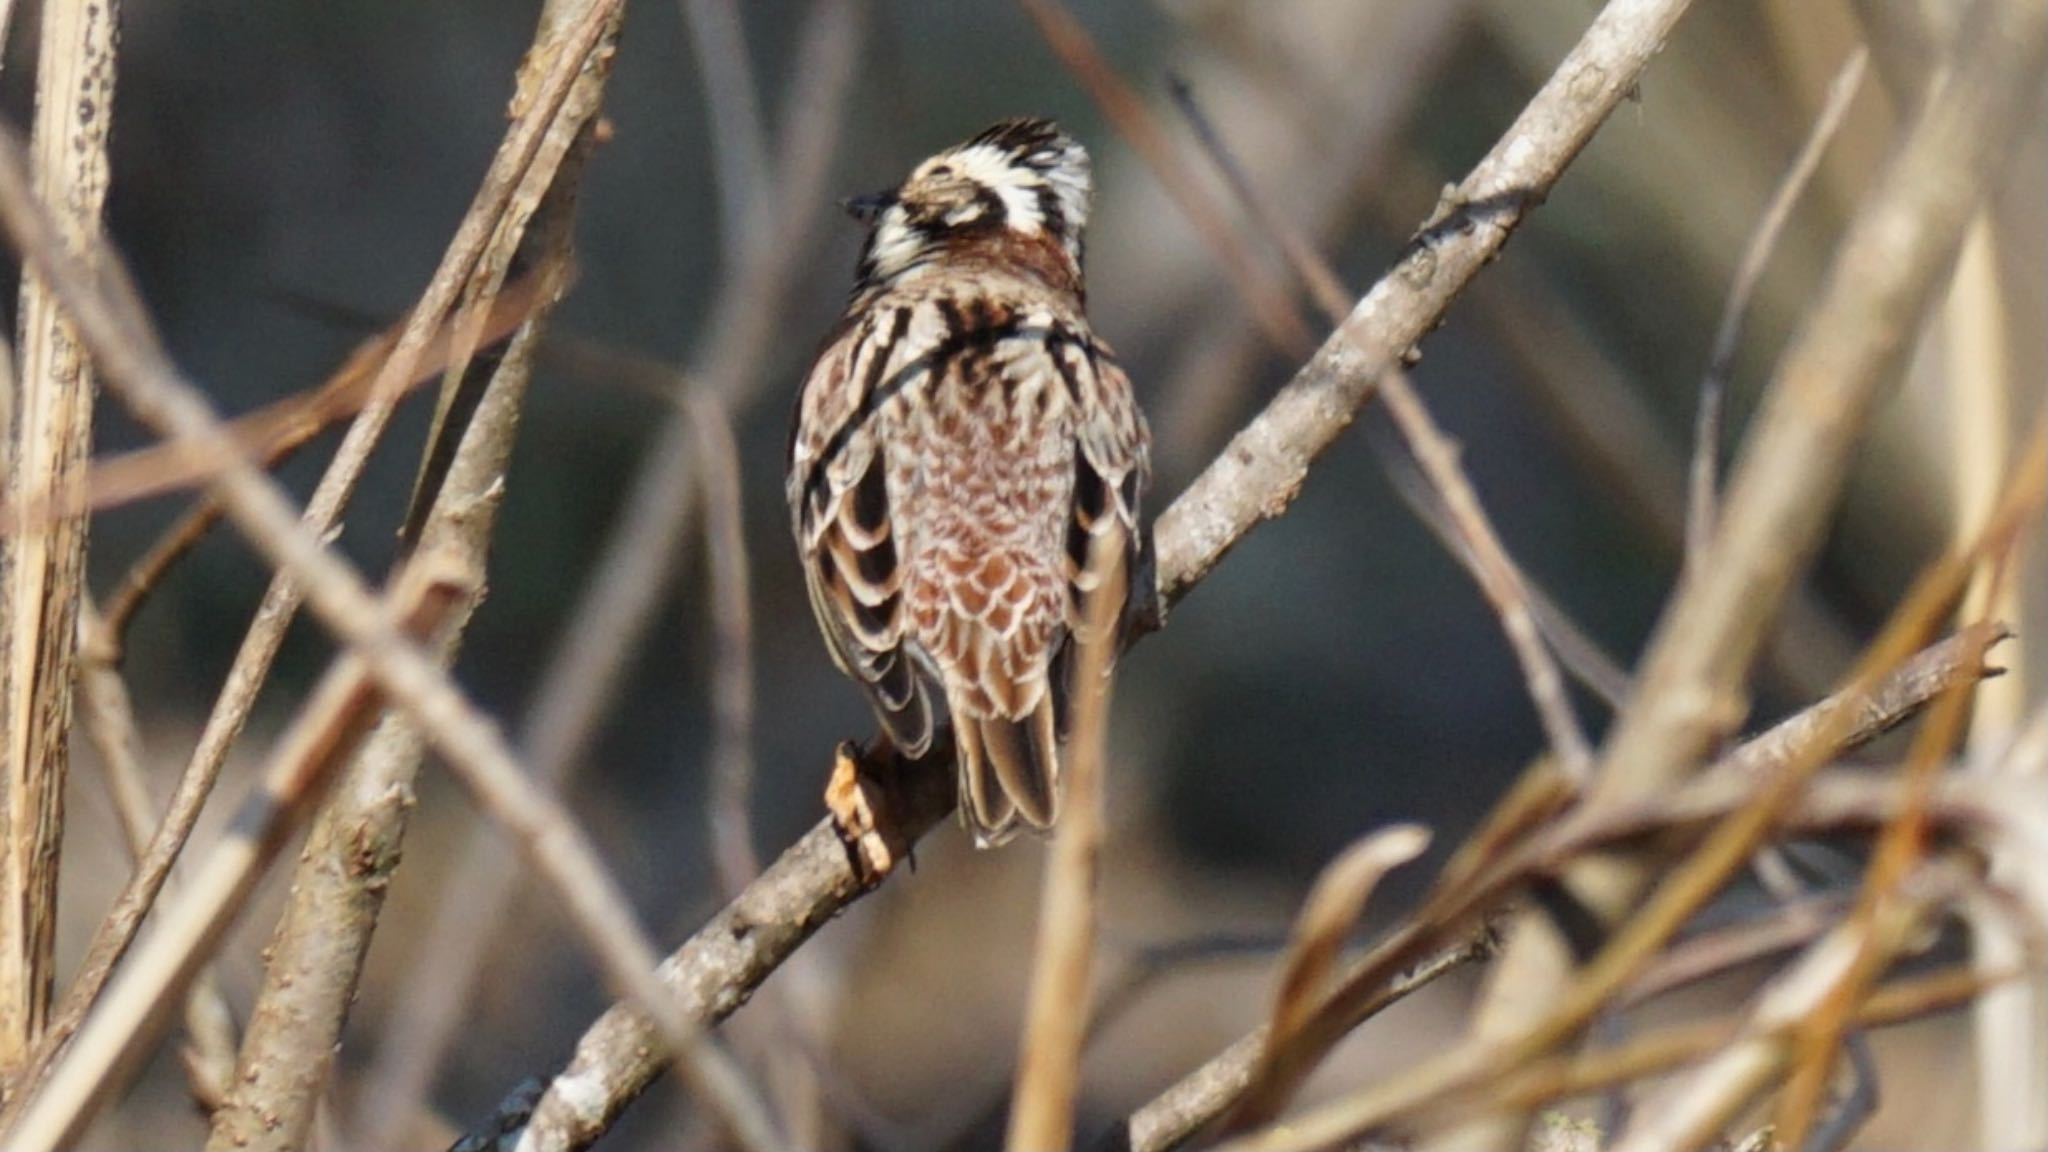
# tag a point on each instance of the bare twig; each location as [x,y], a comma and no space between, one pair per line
[1498,577]
[1579,654]
[1850,718]
[469,742]
[107,717]
[732,687]
[1329,293]
[1706,442]
[1257,476]
[148,571]
[315,958]
[631,574]
[307,756]
[567,53]
[42,571]
[1478,543]
[1269,301]
[277,430]
[1885,272]
[1327,919]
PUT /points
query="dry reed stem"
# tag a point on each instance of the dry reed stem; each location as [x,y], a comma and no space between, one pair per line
[1563,1078]
[726,960]
[307,756]
[1062,971]
[314,961]
[1454,1084]
[106,714]
[1903,842]
[1825,729]
[42,572]
[1538,957]
[566,58]
[1693,1112]
[1749,270]
[1327,918]
[468,741]
[1885,272]
[1905,37]
[630,574]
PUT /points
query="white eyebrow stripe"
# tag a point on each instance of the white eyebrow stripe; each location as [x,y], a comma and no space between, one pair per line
[993,169]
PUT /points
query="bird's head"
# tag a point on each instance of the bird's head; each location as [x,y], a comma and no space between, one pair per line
[1019,181]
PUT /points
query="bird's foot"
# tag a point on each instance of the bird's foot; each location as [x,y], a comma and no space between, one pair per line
[858,797]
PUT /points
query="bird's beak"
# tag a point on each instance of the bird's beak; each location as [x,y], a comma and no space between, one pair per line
[866,208]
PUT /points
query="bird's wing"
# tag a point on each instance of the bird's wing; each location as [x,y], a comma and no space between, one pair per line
[840,509]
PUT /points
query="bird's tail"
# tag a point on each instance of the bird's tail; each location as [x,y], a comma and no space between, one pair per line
[1009,772]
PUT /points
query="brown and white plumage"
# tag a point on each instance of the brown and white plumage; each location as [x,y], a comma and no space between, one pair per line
[960,445]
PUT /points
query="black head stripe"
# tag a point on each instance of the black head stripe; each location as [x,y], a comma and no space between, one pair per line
[1022,136]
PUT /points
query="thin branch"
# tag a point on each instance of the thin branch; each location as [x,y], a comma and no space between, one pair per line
[470,743]
[1756,255]
[333,720]
[1884,274]
[42,571]
[277,430]
[1850,717]
[1578,653]
[314,962]
[1316,275]
[143,577]
[630,577]
[106,715]
[1495,570]
[1258,475]
[1062,973]
[1271,306]
[567,55]
[1499,578]
[731,810]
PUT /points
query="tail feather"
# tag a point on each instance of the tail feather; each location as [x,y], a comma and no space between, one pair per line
[1009,770]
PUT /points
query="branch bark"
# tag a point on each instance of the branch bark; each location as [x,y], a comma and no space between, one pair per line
[315,958]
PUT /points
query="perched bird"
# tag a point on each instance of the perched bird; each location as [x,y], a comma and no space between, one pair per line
[959,448]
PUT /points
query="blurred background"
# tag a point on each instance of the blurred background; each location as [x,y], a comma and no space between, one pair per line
[286,176]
